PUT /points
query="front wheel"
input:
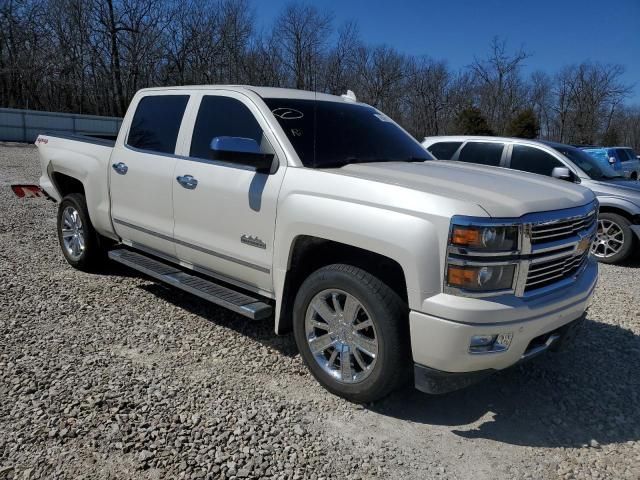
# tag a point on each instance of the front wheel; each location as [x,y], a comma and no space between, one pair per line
[614,238]
[352,332]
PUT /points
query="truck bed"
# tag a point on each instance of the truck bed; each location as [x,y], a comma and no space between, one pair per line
[85,159]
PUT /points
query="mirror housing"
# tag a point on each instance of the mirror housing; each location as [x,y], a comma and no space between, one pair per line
[612,160]
[242,151]
[562,173]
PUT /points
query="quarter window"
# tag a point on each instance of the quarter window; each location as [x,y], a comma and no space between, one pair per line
[483,153]
[444,150]
[222,117]
[156,123]
[533,160]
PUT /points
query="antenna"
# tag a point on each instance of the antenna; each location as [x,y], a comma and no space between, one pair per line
[349,96]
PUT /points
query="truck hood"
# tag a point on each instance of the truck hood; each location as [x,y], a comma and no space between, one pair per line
[499,191]
[626,189]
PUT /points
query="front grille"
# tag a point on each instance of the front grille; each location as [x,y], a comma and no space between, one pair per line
[547,273]
[561,229]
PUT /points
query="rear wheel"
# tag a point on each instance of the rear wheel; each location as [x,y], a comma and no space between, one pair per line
[78,239]
[351,330]
[614,239]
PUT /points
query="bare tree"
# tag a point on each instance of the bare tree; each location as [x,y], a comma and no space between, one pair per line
[302,32]
[500,88]
[91,56]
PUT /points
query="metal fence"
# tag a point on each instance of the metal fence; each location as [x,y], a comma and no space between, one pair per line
[24,125]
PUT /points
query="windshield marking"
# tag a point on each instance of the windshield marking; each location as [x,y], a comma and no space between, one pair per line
[286,113]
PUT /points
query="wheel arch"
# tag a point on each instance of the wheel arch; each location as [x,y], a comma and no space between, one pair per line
[309,253]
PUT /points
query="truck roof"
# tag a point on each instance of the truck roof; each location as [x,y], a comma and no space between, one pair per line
[264,92]
[485,138]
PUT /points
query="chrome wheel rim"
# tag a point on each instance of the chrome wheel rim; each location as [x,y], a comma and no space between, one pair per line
[341,336]
[72,233]
[609,239]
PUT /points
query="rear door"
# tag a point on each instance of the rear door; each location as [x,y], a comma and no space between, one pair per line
[141,172]
[225,223]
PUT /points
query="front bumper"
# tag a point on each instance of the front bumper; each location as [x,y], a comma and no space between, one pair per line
[442,344]
[430,380]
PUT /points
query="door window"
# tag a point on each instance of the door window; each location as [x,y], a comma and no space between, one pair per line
[222,117]
[483,153]
[156,123]
[534,160]
[627,154]
[444,150]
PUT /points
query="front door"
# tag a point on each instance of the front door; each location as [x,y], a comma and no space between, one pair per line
[225,213]
[141,174]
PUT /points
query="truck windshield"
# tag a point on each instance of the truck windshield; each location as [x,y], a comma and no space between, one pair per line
[328,134]
[589,165]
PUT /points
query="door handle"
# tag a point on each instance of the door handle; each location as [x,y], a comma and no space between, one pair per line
[187,181]
[120,168]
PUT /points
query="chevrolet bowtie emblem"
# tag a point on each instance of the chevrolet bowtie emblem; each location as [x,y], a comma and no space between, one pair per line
[583,245]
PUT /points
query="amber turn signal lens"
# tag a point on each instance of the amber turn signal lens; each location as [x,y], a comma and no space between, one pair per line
[461,277]
[466,237]
[481,278]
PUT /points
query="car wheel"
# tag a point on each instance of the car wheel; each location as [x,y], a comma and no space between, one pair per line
[78,239]
[634,176]
[614,238]
[352,332]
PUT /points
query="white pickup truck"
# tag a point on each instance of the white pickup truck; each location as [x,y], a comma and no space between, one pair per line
[323,214]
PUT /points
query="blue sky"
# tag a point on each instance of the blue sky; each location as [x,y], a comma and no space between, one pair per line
[556,32]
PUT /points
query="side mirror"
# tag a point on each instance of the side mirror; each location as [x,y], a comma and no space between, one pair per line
[562,173]
[612,160]
[242,151]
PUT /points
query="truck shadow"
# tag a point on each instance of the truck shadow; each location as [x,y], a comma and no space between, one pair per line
[587,395]
[260,331]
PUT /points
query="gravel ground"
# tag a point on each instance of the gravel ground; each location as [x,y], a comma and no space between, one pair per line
[114,376]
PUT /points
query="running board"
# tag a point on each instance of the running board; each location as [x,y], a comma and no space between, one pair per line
[225,297]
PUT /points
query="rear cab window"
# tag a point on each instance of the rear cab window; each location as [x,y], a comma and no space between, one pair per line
[444,150]
[483,153]
[156,123]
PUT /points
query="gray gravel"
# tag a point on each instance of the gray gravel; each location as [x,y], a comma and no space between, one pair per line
[114,376]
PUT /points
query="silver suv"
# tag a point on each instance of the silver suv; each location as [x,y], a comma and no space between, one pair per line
[619,219]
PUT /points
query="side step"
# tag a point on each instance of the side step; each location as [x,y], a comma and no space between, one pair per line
[206,289]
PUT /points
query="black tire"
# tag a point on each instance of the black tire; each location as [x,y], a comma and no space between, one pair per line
[629,238]
[389,314]
[93,255]
[634,176]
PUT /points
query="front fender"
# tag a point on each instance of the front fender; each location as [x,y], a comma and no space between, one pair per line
[411,241]
[619,203]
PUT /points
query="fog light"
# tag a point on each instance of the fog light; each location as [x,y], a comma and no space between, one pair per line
[490,343]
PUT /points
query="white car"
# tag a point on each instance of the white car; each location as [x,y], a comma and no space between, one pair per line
[322,214]
[618,234]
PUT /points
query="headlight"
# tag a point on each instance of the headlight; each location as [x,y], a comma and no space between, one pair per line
[482,257]
[486,238]
[481,278]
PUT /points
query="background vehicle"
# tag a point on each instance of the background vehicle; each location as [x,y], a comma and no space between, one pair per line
[619,222]
[378,259]
[628,160]
[606,160]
